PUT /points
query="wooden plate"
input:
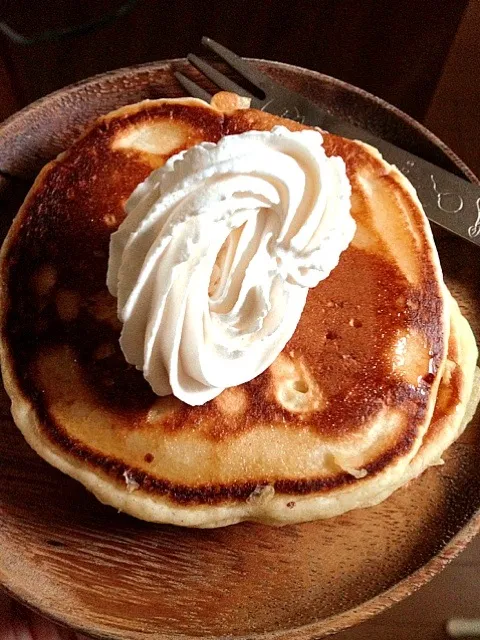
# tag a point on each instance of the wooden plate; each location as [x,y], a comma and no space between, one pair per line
[108,575]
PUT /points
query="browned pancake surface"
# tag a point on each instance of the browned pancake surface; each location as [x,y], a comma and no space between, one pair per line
[55,286]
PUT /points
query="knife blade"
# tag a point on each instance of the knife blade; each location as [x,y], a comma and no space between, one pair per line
[448,200]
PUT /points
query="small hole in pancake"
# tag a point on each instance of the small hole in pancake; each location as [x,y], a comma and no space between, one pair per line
[331,335]
[301,386]
[149,457]
[291,504]
[429,378]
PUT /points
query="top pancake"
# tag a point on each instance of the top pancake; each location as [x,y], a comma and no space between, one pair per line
[344,408]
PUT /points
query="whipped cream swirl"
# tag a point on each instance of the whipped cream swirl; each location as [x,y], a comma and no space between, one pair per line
[213,263]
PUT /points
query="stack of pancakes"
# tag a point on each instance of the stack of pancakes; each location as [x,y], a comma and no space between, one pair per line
[371,389]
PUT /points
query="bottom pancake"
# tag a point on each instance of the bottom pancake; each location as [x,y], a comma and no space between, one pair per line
[457,399]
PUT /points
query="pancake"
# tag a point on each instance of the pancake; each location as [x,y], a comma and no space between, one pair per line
[371,389]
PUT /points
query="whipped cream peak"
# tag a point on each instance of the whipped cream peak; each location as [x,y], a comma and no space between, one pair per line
[212,265]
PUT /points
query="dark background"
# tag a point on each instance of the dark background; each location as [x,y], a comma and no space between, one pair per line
[393,48]
[421,55]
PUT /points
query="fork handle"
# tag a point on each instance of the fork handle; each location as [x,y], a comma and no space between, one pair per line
[448,200]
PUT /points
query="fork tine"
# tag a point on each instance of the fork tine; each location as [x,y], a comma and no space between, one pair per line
[192,88]
[257,78]
[216,77]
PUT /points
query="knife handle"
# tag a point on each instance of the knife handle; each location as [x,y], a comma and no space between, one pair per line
[448,200]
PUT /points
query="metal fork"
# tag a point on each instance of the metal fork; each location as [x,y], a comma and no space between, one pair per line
[449,201]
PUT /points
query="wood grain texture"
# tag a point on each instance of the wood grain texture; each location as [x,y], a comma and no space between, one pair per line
[109,575]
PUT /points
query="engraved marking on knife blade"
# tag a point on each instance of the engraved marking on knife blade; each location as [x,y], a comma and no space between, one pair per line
[408,165]
[474,230]
[267,104]
[444,196]
[293,115]
[287,113]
